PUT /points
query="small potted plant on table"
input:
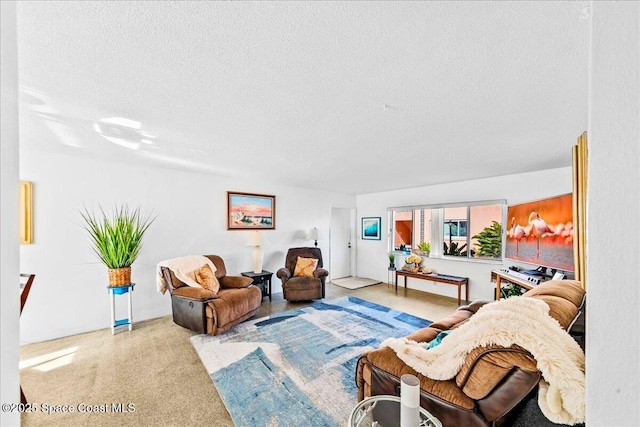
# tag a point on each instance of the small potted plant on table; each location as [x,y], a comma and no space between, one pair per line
[424,248]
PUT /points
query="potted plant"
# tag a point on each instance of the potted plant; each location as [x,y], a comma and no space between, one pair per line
[424,248]
[392,260]
[117,239]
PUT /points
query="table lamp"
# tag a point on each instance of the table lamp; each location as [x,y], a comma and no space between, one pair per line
[313,235]
[256,240]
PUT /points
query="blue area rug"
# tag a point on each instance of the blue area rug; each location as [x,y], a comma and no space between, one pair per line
[297,368]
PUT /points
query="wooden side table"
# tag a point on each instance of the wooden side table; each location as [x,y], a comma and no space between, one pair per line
[442,278]
[120,290]
[262,280]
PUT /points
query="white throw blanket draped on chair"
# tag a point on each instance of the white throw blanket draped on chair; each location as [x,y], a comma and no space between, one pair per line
[523,321]
[184,269]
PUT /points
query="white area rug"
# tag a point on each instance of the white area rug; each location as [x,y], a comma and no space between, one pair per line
[354,282]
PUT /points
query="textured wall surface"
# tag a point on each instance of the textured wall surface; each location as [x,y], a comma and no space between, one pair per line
[9,260]
[518,188]
[191,219]
[613,215]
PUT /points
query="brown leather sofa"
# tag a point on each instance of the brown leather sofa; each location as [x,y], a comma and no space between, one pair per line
[302,288]
[492,381]
[203,311]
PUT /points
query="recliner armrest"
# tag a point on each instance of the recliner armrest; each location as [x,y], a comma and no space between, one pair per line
[235,281]
[320,272]
[283,273]
[191,292]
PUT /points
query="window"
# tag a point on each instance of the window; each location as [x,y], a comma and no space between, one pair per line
[410,228]
[403,229]
[464,230]
[455,228]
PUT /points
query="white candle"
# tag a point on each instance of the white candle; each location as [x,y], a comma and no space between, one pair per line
[409,401]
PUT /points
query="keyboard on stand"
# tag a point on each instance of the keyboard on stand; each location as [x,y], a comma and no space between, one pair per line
[533,280]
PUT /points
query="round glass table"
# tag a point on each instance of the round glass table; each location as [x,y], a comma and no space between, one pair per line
[384,411]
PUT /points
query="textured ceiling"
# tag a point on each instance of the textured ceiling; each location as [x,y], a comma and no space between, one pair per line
[354,97]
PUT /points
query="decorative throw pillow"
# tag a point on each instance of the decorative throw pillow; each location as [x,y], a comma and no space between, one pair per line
[207,279]
[305,267]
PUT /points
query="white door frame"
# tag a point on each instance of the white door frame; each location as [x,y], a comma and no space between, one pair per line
[352,237]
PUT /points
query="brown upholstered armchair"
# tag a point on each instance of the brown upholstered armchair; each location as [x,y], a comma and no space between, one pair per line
[302,288]
[204,311]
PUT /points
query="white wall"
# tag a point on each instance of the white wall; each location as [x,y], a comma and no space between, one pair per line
[372,254]
[9,282]
[613,215]
[69,295]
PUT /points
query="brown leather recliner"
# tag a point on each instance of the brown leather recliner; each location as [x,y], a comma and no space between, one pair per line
[302,288]
[204,311]
[492,381]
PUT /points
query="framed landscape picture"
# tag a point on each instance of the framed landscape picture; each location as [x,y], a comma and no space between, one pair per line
[248,211]
[371,228]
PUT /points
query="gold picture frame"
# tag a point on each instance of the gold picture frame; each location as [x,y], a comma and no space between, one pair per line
[580,208]
[26,212]
[250,211]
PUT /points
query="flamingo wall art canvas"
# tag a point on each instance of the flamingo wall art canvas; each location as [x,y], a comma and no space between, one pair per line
[541,233]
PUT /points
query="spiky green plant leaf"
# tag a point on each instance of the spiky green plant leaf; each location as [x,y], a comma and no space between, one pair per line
[117,238]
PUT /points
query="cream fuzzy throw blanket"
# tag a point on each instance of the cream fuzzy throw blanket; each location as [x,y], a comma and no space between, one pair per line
[184,268]
[522,321]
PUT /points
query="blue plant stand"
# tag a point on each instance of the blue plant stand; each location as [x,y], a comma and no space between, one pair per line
[120,290]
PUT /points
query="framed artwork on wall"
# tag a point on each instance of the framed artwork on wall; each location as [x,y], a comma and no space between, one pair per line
[248,211]
[26,212]
[371,228]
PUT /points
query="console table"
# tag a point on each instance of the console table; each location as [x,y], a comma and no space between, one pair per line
[498,276]
[452,280]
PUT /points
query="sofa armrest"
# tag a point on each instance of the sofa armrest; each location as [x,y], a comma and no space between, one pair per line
[320,272]
[191,292]
[283,274]
[424,335]
[235,281]
[485,367]
[477,305]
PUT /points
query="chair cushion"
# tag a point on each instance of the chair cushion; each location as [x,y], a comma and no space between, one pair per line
[198,293]
[233,304]
[305,267]
[206,279]
[302,289]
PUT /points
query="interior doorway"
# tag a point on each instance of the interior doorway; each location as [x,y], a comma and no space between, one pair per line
[341,243]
